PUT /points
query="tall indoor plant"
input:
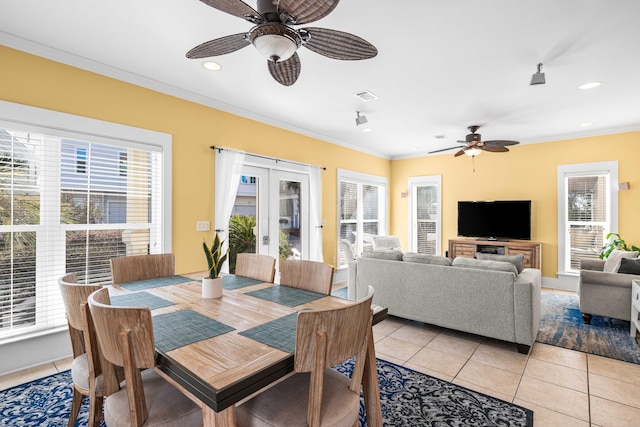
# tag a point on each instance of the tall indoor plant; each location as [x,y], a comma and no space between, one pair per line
[212,283]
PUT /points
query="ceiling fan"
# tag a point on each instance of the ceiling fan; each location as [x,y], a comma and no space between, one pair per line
[475,146]
[274,38]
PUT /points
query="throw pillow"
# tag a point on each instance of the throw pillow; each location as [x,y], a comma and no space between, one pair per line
[612,263]
[386,242]
[484,264]
[383,254]
[629,266]
[516,260]
[426,259]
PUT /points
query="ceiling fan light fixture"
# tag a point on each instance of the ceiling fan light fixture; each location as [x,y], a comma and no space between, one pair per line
[538,77]
[211,66]
[276,42]
[473,151]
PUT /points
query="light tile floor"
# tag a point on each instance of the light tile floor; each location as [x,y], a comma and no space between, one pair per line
[562,387]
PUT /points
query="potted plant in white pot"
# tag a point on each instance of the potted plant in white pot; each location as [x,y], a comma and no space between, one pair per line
[212,283]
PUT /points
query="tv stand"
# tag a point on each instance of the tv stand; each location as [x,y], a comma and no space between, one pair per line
[532,251]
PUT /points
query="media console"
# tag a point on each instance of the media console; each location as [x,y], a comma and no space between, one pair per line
[532,251]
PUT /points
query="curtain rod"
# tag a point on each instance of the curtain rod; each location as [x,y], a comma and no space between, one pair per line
[213,147]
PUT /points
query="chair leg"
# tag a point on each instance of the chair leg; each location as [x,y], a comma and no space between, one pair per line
[76,402]
[95,411]
[586,317]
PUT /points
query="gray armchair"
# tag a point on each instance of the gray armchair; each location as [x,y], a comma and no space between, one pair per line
[602,293]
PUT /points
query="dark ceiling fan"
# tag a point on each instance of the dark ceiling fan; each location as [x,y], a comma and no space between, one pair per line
[274,38]
[474,144]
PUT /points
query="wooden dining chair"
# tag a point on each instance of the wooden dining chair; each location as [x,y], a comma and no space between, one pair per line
[125,335]
[316,394]
[309,275]
[140,267]
[256,266]
[87,366]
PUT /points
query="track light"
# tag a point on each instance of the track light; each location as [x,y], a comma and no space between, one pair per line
[360,119]
[538,77]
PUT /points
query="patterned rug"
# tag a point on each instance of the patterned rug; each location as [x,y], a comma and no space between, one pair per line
[408,398]
[561,325]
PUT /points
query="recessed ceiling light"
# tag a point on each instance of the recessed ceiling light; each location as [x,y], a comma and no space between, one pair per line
[590,85]
[367,130]
[586,124]
[212,66]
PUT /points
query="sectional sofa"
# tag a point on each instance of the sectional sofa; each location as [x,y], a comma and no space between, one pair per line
[494,297]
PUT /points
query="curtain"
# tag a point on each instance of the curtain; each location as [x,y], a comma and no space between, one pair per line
[227,175]
[315,211]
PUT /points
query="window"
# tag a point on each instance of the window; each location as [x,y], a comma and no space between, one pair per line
[588,211]
[65,207]
[424,208]
[362,210]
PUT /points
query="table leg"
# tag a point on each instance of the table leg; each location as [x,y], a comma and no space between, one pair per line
[211,418]
[370,386]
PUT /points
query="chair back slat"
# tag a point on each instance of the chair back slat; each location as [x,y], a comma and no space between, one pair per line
[309,275]
[141,267]
[256,266]
[346,330]
[111,322]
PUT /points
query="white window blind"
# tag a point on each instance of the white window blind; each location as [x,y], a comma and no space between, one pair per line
[361,210]
[587,207]
[69,205]
[587,211]
[425,214]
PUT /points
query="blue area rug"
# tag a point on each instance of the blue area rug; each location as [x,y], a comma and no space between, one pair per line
[408,398]
[561,325]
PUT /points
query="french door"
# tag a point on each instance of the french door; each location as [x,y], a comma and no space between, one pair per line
[279,202]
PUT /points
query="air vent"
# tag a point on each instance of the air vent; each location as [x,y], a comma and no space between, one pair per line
[366,95]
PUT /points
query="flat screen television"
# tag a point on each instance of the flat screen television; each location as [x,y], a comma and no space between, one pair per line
[495,220]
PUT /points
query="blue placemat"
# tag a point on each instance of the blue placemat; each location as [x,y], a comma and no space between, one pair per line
[141,285]
[180,328]
[279,333]
[140,299]
[286,295]
[236,282]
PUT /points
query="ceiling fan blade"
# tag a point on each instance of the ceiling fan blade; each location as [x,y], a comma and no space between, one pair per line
[500,143]
[286,72]
[236,8]
[338,44]
[305,11]
[459,153]
[220,46]
[495,149]
[444,149]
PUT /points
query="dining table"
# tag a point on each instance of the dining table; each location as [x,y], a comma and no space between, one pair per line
[221,351]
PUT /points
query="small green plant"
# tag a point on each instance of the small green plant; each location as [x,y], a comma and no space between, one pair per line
[614,241]
[214,255]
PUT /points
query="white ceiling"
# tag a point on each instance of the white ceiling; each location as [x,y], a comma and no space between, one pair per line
[441,66]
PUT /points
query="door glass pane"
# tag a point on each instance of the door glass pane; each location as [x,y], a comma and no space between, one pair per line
[242,222]
[289,220]
[426,215]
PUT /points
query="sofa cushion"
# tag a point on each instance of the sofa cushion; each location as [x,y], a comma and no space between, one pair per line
[516,260]
[386,242]
[484,264]
[629,266]
[383,254]
[426,259]
[612,262]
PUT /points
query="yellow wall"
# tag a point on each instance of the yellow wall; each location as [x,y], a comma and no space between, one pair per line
[527,172]
[31,80]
